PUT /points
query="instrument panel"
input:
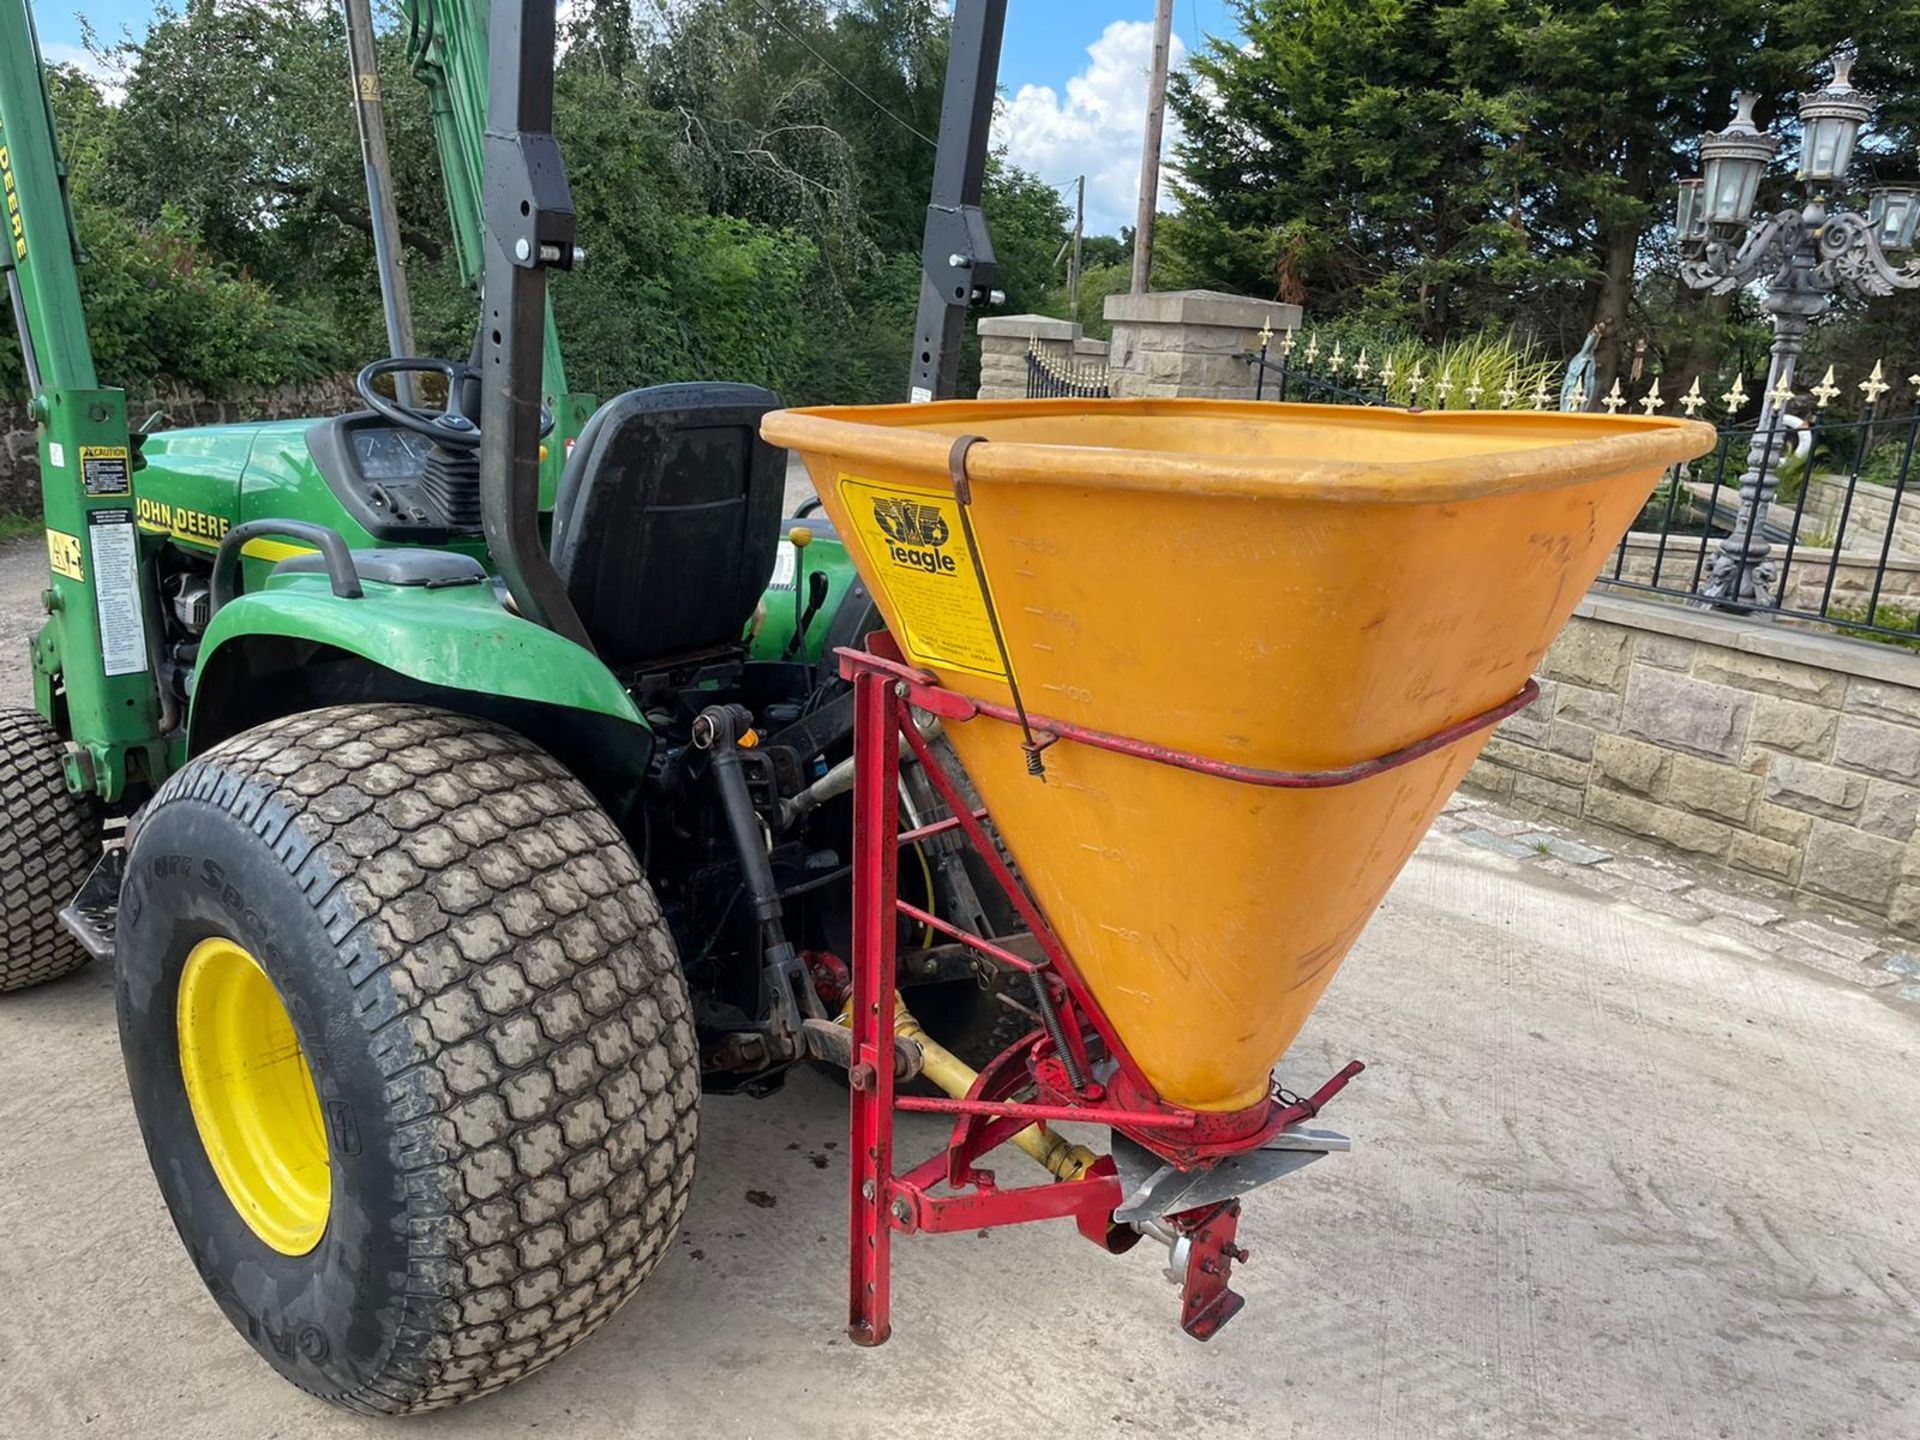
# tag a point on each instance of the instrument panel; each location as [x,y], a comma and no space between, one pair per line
[386,452]
[391,481]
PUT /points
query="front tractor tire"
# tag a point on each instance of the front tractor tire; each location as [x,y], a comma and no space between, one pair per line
[410,1049]
[49,841]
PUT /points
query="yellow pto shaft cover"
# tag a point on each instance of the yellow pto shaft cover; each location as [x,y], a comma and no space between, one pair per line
[1288,587]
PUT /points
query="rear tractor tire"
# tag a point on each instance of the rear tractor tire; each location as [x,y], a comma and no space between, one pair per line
[410,1049]
[49,842]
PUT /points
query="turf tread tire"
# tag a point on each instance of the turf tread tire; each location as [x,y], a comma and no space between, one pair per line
[515,982]
[49,842]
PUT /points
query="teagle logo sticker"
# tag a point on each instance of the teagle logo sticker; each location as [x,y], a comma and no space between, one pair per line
[915,532]
[922,570]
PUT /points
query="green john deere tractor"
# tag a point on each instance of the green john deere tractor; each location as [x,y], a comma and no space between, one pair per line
[457,790]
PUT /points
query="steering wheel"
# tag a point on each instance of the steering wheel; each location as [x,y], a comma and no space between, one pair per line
[445,427]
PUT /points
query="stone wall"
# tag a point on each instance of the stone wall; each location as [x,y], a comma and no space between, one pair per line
[1788,757]
[20,443]
[1867,511]
[1165,344]
[1006,339]
[1189,343]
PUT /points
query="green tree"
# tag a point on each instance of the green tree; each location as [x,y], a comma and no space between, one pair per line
[1445,164]
[159,301]
[1027,221]
[750,177]
[239,115]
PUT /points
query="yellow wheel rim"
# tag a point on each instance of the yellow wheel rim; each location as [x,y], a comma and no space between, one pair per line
[252,1097]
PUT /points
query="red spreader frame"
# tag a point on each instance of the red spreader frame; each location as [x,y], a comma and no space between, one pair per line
[1060,1061]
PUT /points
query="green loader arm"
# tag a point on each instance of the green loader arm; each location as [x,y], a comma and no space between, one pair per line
[92,671]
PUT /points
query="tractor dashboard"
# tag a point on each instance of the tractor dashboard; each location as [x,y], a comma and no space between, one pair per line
[386,453]
[401,487]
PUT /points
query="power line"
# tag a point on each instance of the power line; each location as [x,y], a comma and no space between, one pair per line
[798,40]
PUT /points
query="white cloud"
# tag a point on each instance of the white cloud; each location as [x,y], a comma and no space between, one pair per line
[1097,129]
[109,75]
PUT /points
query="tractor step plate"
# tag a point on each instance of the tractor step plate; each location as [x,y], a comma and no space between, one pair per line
[95,911]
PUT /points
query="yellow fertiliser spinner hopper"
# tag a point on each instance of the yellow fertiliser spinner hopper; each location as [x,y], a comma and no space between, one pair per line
[1213,668]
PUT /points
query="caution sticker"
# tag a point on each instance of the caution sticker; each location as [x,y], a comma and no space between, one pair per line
[103,469]
[63,554]
[919,552]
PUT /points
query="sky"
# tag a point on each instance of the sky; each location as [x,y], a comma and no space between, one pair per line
[1073,78]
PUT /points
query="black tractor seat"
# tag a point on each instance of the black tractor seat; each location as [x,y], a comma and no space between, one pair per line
[667,520]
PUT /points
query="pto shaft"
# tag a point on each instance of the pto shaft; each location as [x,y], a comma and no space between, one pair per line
[1062,1158]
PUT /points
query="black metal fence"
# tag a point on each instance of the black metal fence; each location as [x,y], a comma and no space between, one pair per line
[1274,378]
[1836,541]
[1049,379]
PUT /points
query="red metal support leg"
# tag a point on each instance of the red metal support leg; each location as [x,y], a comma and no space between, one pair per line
[876,824]
[1202,1240]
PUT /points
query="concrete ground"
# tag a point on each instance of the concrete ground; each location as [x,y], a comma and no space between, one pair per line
[1615,1173]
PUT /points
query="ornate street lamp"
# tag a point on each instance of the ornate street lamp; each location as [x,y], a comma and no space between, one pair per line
[1894,213]
[1732,163]
[1805,257]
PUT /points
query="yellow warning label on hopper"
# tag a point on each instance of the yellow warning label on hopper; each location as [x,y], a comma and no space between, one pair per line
[920,555]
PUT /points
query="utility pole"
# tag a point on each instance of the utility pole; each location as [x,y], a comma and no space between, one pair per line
[1150,150]
[1073,262]
[389,257]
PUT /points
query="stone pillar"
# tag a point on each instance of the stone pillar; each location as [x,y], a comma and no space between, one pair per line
[1089,353]
[1187,343]
[1004,342]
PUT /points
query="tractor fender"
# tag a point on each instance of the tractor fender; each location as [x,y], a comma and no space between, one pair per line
[295,646]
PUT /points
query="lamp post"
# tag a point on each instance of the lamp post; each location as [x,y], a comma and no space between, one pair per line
[1805,257]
